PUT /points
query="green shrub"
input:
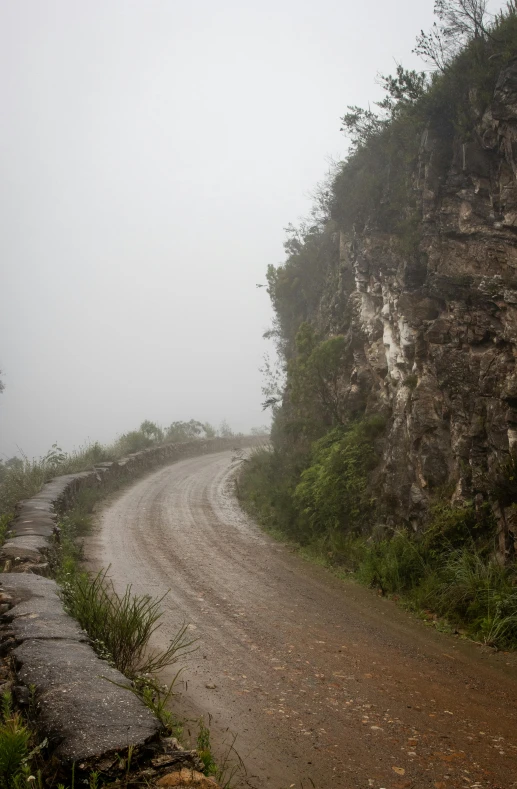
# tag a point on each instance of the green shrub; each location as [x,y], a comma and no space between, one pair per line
[395,565]
[133,441]
[313,381]
[191,430]
[229,769]
[5,519]
[455,526]
[204,749]
[503,482]
[296,287]
[321,494]
[334,494]
[265,489]
[152,431]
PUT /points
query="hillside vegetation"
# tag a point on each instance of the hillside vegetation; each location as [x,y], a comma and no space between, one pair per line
[324,482]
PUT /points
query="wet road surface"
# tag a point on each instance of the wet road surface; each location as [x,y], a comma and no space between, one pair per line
[324,683]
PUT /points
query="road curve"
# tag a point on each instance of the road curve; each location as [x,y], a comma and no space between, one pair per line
[325,684]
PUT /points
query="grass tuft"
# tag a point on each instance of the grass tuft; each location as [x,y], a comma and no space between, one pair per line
[121,626]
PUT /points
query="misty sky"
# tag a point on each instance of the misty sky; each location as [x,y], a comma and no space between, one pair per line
[152,153]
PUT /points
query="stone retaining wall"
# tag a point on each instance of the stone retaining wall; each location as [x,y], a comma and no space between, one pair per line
[35,520]
[84,708]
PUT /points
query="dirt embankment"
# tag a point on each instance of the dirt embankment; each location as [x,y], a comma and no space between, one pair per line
[325,684]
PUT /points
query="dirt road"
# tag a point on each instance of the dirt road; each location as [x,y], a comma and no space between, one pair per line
[326,684]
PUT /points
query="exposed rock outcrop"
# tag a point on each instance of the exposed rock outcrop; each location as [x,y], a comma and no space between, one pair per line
[432,337]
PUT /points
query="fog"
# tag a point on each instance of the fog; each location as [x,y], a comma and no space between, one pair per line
[152,153]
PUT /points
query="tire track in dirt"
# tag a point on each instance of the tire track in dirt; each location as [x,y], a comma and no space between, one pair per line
[325,684]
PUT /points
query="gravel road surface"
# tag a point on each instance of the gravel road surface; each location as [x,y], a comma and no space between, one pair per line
[325,683]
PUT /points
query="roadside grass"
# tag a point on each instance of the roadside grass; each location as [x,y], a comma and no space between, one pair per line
[158,698]
[121,626]
[461,590]
[22,763]
[447,575]
[474,591]
[5,519]
[204,749]
[22,478]
[21,482]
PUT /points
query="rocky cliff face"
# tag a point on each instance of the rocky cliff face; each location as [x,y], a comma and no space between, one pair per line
[432,336]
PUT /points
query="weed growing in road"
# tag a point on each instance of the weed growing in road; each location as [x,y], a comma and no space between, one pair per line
[228,768]
[157,697]
[204,749]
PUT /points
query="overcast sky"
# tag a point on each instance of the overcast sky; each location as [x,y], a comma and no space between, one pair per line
[152,153]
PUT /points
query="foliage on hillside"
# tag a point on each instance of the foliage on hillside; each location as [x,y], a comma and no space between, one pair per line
[375,184]
[373,187]
[316,484]
[325,496]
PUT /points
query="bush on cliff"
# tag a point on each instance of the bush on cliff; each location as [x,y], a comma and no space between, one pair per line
[317,494]
[374,186]
[334,495]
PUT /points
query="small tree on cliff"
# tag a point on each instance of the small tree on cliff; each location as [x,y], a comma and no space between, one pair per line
[459,21]
[403,89]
